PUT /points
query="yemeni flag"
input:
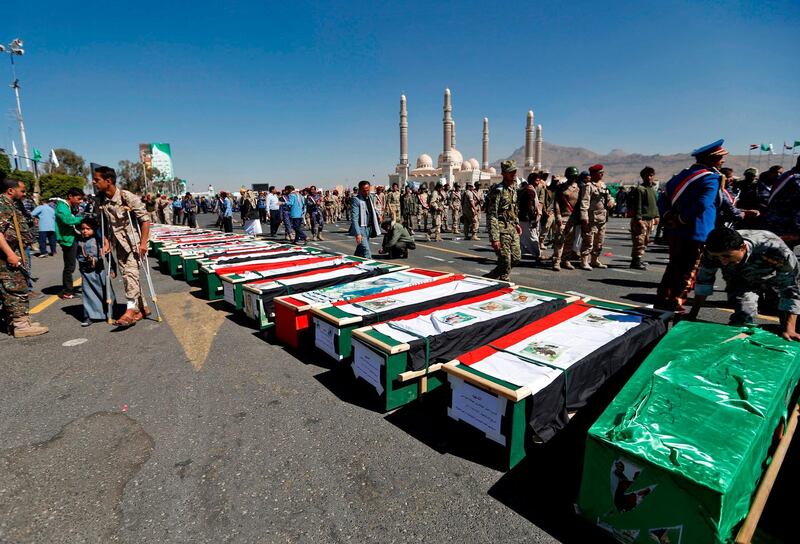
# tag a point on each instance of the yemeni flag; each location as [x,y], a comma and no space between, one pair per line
[753,147]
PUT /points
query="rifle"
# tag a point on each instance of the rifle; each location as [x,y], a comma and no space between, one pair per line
[24,261]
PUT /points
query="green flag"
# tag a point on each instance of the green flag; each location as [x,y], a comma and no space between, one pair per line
[765,147]
[37,155]
[796,143]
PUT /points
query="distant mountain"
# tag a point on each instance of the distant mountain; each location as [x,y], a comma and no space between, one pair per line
[622,166]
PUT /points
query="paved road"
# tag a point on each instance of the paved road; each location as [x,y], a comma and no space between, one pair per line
[197,430]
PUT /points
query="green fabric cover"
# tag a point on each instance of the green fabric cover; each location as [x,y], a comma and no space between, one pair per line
[678,454]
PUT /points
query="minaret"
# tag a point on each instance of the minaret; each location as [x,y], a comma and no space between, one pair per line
[485,161]
[447,166]
[402,167]
[453,134]
[538,156]
[529,143]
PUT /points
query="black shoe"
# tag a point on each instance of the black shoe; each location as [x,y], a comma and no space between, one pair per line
[86,322]
[639,265]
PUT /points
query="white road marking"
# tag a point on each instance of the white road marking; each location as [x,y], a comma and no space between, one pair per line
[436,258]
[74,342]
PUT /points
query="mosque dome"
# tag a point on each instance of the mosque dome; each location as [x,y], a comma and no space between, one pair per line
[475,164]
[466,165]
[424,161]
[456,158]
[492,170]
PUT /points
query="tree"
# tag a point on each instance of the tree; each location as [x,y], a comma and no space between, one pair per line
[70,163]
[5,164]
[130,175]
[24,176]
[57,185]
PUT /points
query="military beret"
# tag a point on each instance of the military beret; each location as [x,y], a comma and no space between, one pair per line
[596,168]
[508,166]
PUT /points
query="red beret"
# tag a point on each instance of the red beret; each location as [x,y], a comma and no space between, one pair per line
[596,168]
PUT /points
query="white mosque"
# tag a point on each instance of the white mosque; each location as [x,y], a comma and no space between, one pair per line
[451,166]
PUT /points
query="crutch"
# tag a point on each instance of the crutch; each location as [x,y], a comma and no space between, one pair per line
[107,284]
[145,264]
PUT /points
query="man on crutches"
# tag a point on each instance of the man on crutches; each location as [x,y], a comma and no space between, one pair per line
[120,208]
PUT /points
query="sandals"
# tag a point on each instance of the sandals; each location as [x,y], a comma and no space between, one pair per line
[129,318]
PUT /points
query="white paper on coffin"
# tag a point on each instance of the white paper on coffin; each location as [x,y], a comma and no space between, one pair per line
[321,276]
[368,286]
[325,336]
[416,296]
[227,292]
[441,321]
[569,341]
[367,365]
[477,407]
[250,305]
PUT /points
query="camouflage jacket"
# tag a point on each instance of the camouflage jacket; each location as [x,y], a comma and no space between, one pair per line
[409,204]
[768,261]
[393,199]
[436,202]
[117,210]
[595,200]
[501,211]
[7,212]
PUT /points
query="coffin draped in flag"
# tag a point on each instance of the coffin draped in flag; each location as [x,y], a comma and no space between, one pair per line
[681,448]
[292,313]
[178,259]
[546,369]
[416,345]
[258,296]
[333,325]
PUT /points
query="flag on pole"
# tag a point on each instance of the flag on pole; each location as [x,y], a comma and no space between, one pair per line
[53,158]
[765,147]
[796,144]
[37,155]
[753,146]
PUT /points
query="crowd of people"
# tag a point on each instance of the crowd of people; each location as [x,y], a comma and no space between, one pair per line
[708,217]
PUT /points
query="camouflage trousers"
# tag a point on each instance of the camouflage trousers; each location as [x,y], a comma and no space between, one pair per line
[13,292]
[410,222]
[129,270]
[641,229]
[422,220]
[394,212]
[471,225]
[330,214]
[563,234]
[594,235]
[508,254]
[437,219]
[456,220]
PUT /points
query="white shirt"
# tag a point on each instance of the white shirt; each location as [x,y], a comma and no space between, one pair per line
[272,202]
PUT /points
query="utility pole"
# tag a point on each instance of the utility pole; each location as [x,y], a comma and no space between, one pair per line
[15,49]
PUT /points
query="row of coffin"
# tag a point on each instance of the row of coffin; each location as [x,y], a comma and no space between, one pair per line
[517,360]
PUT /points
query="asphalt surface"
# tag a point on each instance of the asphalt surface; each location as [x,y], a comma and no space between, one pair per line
[198,430]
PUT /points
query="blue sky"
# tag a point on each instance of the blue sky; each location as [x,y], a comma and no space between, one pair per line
[302,92]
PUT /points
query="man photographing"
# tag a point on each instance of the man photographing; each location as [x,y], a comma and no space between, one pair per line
[750,260]
[120,207]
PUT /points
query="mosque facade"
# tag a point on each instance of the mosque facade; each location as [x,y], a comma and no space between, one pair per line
[451,167]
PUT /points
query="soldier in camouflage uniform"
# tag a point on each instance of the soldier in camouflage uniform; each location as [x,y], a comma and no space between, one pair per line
[750,261]
[436,206]
[14,237]
[471,206]
[424,212]
[504,229]
[329,203]
[455,207]
[446,208]
[565,203]
[409,208]
[120,208]
[393,202]
[595,201]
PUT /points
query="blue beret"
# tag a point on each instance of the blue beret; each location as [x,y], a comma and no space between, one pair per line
[714,148]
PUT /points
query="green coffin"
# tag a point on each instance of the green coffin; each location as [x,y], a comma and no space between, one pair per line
[678,454]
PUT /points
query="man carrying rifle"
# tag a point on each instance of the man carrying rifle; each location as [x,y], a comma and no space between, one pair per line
[120,209]
[14,236]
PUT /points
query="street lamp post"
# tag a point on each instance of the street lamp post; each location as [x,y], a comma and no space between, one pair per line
[15,49]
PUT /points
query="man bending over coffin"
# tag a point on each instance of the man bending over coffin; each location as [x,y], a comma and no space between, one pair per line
[397,240]
[750,260]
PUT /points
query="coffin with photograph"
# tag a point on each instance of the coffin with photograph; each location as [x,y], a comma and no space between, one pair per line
[292,318]
[521,388]
[258,297]
[334,324]
[400,358]
[210,276]
[183,263]
[678,454]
